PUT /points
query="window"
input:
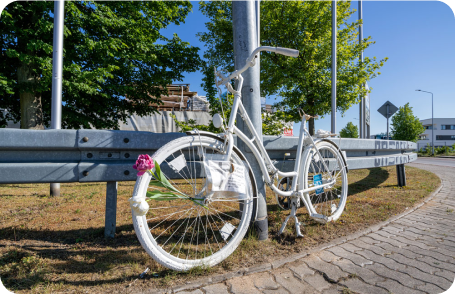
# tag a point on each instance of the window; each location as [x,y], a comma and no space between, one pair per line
[423,137]
[439,137]
[428,127]
[447,127]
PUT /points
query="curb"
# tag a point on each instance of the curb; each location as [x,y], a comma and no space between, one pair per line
[281,262]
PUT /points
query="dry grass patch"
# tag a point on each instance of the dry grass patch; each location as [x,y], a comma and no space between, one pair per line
[57,244]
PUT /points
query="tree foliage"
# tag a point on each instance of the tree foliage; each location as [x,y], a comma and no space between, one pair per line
[405,126]
[350,131]
[303,82]
[112,51]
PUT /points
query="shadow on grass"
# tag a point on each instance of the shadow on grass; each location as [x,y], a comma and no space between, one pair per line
[376,177]
[84,251]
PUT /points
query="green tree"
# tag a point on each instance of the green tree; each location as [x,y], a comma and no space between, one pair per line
[350,131]
[303,82]
[405,126]
[115,61]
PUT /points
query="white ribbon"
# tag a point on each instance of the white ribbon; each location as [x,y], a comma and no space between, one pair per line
[139,205]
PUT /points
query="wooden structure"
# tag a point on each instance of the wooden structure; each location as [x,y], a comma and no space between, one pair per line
[177,98]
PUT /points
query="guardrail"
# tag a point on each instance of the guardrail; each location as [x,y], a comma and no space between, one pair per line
[62,156]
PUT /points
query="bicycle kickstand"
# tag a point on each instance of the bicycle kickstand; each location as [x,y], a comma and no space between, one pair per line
[292,214]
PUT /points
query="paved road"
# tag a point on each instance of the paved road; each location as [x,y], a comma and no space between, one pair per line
[436,161]
[414,253]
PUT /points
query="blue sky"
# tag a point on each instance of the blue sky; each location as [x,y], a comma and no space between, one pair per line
[418,37]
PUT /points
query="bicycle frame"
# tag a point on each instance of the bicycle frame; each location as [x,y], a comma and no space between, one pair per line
[261,155]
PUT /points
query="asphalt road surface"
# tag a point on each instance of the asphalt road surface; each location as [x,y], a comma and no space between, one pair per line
[436,161]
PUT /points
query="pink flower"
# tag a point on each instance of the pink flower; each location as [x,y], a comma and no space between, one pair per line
[143,164]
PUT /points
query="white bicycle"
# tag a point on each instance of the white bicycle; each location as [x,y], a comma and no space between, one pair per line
[206,227]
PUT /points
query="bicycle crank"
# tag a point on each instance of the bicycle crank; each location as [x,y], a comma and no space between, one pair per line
[285,184]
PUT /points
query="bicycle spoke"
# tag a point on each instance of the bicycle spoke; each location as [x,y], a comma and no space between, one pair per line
[171,225]
[174,231]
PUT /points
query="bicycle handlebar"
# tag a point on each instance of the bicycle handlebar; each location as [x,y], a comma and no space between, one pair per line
[251,63]
[286,51]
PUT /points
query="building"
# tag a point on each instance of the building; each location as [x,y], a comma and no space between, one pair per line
[180,102]
[180,98]
[442,132]
[381,136]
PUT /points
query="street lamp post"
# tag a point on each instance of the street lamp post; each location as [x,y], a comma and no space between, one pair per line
[432,124]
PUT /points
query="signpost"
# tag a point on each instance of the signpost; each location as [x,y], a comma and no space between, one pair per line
[367,113]
[57,76]
[387,110]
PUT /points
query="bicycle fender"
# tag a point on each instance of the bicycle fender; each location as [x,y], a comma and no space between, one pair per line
[242,157]
[203,133]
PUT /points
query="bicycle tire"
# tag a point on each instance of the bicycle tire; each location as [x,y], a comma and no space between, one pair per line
[217,215]
[328,204]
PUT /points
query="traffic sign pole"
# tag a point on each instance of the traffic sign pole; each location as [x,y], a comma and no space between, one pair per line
[387,121]
[387,110]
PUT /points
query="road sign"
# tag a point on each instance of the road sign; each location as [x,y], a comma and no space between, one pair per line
[367,109]
[391,109]
[288,132]
[387,110]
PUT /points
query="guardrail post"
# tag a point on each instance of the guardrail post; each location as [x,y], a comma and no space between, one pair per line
[111,210]
[55,189]
[401,175]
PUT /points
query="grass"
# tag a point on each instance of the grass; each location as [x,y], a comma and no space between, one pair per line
[57,244]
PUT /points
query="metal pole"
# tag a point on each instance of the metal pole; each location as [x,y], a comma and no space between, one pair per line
[432,125]
[245,41]
[258,25]
[57,65]
[334,65]
[432,122]
[361,106]
[387,121]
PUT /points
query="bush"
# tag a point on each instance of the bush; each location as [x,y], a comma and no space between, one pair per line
[440,149]
[428,149]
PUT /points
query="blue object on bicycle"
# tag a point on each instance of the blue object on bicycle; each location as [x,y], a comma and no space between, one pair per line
[317,180]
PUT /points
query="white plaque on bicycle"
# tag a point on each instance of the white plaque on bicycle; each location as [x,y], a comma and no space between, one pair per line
[236,180]
[226,176]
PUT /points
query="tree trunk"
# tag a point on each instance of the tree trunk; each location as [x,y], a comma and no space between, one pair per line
[31,107]
[311,112]
[311,126]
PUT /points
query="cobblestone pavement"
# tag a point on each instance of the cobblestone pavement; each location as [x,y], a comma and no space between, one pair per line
[412,253]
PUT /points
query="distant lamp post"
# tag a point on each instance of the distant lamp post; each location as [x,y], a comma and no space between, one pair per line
[432,124]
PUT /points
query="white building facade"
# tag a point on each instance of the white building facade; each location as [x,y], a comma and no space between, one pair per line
[442,133]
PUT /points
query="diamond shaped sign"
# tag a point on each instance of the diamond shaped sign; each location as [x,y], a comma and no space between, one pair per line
[383,109]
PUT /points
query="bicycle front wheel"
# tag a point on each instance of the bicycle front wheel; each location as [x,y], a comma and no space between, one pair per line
[181,233]
[325,204]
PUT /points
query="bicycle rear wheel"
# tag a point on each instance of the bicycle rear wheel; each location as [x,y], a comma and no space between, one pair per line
[181,234]
[325,204]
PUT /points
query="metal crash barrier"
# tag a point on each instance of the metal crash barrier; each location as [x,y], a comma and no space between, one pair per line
[64,156]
